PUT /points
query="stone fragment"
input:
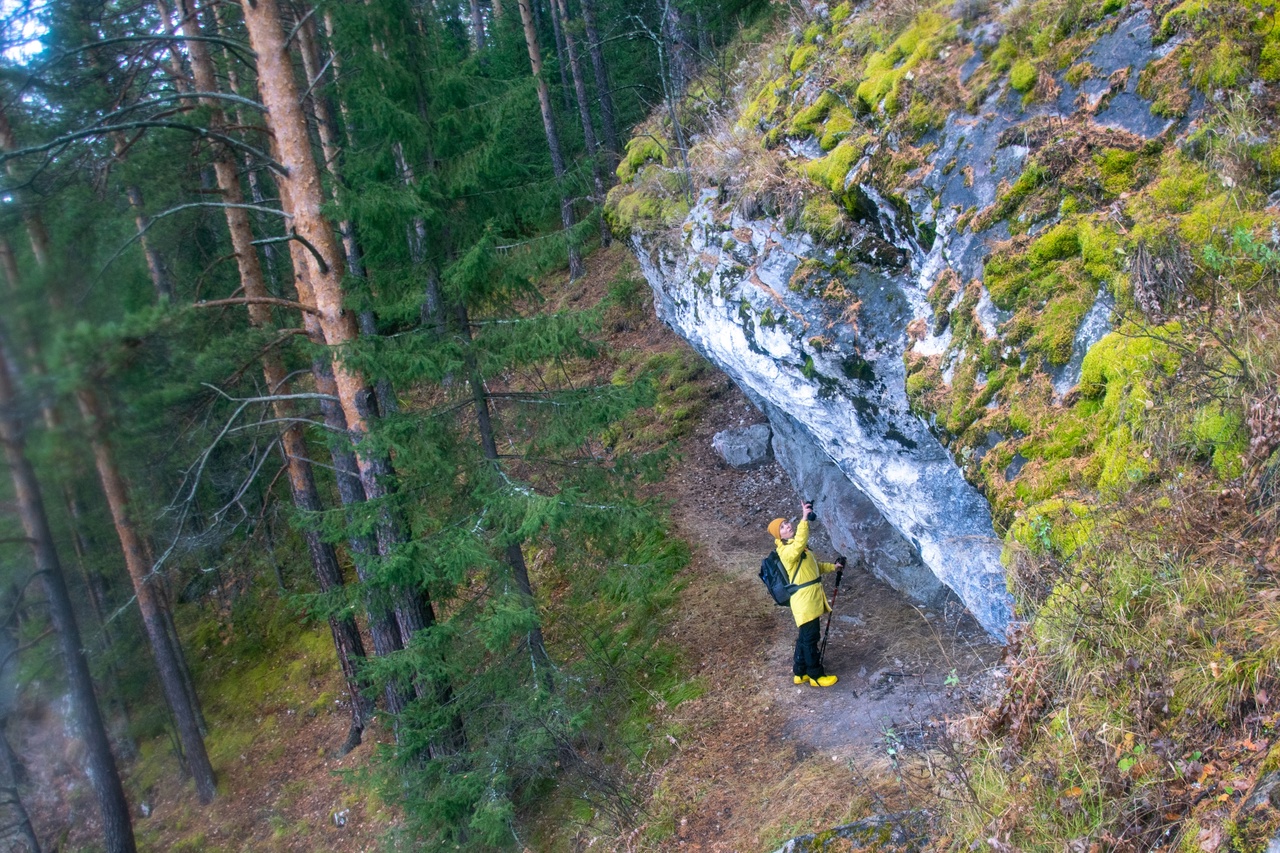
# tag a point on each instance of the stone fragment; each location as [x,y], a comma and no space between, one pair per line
[744,448]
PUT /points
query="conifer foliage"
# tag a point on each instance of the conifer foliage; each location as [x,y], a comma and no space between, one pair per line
[237,234]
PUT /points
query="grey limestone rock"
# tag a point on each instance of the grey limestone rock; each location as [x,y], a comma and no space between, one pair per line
[743,448]
[754,297]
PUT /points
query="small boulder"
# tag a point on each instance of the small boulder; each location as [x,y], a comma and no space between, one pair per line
[744,448]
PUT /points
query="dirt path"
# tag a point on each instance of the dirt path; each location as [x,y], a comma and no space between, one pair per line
[765,759]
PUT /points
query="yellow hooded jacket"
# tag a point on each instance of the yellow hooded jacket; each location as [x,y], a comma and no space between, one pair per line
[811,602]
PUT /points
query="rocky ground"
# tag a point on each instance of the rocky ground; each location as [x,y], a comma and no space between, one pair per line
[902,668]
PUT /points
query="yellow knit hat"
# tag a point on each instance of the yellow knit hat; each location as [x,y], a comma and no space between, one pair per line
[775,527]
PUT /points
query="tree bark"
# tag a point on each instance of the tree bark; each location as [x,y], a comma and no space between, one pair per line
[103,774]
[560,10]
[320,285]
[159,276]
[324,561]
[322,268]
[595,48]
[515,556]
[149,603]
[477,26]
[553,139]
[558,34]
[9,796]
[384,627]
[169,668]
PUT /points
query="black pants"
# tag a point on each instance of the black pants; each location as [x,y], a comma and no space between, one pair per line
[807,662]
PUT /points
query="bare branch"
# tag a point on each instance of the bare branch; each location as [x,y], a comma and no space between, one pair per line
[319,76]
[256,300]
[152,221]
[179,97]
[102,130]
[185,498]
[324,266]
[239,50]
[293,33]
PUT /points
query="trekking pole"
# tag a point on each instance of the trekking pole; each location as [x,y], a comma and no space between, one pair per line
[822,652]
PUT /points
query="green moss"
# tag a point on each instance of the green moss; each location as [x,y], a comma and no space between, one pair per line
[1269,58]
[1059,242]
[1005,54]
[886,69]
[767,104]
[802,57]
[642,149]
[839,125]
[1119,372]
[1226,66]
[1059,320]
[807,121]
[1222,438]
[924,115]
[1057,526]
[823,218]
[1081,72]
[1118,170]
[1012,273]
[1023,76]
[656,200]
[830,171]
[1165,81]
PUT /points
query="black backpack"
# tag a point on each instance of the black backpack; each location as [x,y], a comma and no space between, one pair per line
[774,575]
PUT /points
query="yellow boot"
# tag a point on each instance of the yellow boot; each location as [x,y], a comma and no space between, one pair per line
[824,681]
[799,679]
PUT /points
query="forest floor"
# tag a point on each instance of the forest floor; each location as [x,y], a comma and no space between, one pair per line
[765,759]
[757,758]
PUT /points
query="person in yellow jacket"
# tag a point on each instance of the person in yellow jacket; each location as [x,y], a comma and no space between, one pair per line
[808,604]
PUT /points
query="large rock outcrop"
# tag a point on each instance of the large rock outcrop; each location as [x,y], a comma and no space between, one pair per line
[822,331]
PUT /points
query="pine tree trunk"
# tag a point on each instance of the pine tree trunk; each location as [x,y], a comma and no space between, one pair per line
[309,48]
[553,140]
[169,668]
[515,556]
[159,277]
[477,26]
[167,664]
[321,284]
[560,10]
[93,580]
[383,627]
[324,261]
[103,774]
[9,796]
[595,48]
[558,34]
[324,562]
[674,33]
[176,72]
